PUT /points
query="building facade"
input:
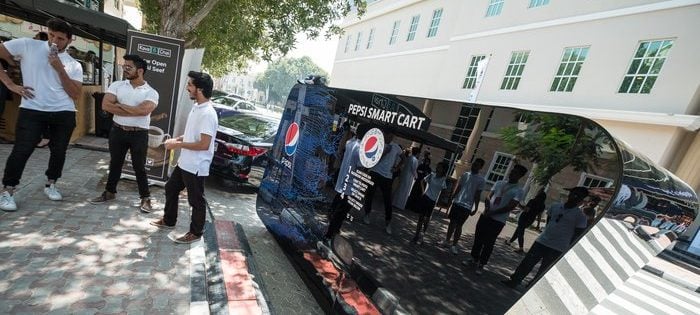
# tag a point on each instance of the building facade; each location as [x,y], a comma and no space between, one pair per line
[629,65]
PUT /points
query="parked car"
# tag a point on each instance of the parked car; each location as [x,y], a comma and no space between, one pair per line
[235,103]
[242,141]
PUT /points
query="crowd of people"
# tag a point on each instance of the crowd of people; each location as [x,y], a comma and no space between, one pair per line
[52,81]
[419,188]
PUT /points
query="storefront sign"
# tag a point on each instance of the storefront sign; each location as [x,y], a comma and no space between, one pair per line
[163,56]
[386,110]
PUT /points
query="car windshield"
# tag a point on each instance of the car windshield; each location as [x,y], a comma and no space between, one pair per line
[251,126]
[225,101]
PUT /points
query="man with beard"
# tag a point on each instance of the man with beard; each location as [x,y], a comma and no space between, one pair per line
[197,151]
[52,81]
[131,101]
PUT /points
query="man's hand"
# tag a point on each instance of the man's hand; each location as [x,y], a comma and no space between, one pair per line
[172,144]
[55,62]
[23,91]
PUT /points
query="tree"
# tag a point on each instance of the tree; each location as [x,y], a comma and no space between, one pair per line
[281,75]
[554,142]
[236,32]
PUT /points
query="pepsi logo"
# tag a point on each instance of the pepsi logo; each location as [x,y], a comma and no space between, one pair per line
[291,139]
[372,146]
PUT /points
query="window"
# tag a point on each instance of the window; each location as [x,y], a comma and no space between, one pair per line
[470,79]
[394,32]
[370,39]
[515,70]
[568,71]
[435,23]
[357,42]
[592,181]
[495,7]
[347,43]
[499,167]
[412,29]
[645,66]
[538,3]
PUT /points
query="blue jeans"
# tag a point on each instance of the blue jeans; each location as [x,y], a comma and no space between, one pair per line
[31,125]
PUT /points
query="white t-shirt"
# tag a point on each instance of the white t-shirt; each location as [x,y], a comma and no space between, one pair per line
[503,194]
[469,184]
[49,95]
[128,95]
[202,120]
[434,186]
[387,162]
[344,170]
[561,226]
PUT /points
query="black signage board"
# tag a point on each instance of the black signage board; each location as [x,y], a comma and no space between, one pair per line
[163,56]
[385,109]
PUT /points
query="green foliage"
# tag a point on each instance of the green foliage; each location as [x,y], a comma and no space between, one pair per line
[282,74]
[554,142]
[236,32]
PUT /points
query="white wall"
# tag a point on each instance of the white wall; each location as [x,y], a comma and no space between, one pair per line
[651,141]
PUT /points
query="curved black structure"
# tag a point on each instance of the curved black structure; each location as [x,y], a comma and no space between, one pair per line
[365,271]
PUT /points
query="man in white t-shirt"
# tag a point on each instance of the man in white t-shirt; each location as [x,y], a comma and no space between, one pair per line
[52,81]
[383,177]
[502,199]
[565,223]
[465,201]
[197,151]
[131,101]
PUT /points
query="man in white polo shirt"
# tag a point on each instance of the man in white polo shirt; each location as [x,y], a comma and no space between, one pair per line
[197,151]
[383,177]
[52,81]
[131,101]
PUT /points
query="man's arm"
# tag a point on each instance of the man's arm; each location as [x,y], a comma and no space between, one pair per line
[110,105]
[143,109]
[71,87]
[477,197]
[507,208]
[6,80]
[201,145]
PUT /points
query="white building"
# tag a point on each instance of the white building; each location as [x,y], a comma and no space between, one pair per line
[628,64]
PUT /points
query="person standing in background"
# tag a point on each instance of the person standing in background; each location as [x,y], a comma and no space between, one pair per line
[52,81]
[406,179]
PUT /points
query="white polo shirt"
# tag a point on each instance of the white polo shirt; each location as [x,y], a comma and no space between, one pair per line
[202,120]
[37,73]
[503,194]
[386,163]
[132,96]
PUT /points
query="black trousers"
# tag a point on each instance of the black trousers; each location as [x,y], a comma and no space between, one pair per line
[31,125]
[524,221]
[121,142]
[339,211]
[179,180]
[384,185]
[485,236]
[538,252]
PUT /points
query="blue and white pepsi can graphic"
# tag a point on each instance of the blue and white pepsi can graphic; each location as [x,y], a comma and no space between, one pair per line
[291,139]
[371,148]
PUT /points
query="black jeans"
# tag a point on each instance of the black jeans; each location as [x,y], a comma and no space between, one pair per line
[339,210]
[524,221]
[179,180]
[30,127]
[385,185]
[485,236]
[136,142]
[538,252]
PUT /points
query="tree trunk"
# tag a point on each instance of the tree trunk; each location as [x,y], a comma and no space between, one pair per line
[172,18]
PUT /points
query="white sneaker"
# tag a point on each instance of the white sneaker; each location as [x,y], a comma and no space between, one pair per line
[453,249]
[7,202]
[53,193]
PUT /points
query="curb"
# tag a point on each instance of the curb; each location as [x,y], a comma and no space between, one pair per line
[672,278]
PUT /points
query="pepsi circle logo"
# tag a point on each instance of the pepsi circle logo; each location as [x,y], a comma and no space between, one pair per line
[291,139]
[371,148]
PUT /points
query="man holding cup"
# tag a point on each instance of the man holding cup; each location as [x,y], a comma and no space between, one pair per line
[52,81]
[131,101]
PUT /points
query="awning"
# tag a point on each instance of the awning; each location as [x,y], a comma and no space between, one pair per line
[86,23]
